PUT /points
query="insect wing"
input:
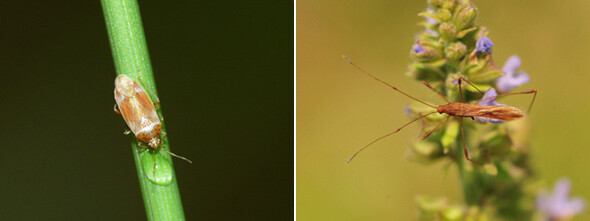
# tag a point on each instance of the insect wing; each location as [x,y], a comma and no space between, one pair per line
[135,105]
[504,113]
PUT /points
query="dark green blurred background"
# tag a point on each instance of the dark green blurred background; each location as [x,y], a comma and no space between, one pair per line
[340,110]
[224,76]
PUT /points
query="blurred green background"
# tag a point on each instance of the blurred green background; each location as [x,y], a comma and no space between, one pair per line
[224,76]
[339,109]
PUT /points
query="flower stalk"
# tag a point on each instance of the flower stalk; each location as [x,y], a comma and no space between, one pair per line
[496,176]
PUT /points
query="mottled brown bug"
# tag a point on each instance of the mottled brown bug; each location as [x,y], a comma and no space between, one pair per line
[139,112]
[456,109]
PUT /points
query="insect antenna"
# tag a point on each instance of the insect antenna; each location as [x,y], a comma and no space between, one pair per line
[387,135]
[177,156]
[435,91]
[383,82]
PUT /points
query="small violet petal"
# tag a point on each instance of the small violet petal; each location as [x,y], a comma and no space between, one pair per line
[512,64]
[511,79]
[562,189]
[558,205]
[508,82]
[576,205]
[484,44]
[489,102]
[417,48]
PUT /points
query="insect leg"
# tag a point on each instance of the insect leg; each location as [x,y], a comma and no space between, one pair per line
[463,137]
[436,128]
[515,93]
[116,109]
[142,148]
[461,91]
[528,111]
[472,85]
[126,132]
[464,144]
[387,135]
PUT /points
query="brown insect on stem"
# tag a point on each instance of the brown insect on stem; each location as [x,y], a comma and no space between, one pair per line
[139,112]
[454,109]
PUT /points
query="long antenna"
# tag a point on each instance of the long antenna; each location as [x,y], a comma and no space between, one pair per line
[177,156]
[435,91]
[383,82]
[387,135]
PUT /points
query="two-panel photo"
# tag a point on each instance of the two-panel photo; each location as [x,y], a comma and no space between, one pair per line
[428,110]
[449,110]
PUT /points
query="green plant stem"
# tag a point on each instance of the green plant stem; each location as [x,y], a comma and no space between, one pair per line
[131,57]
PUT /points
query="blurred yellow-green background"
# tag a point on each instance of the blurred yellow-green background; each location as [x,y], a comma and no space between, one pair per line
[339,110]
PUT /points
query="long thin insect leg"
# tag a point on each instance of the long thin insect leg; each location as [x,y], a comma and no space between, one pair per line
[472,85]
[435,128]
[463,137]
[528,111]
[465,144]
[387,135]
[439,94]
[515,93]
[383,82]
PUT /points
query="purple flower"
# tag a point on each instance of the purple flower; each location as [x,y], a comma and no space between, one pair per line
[484,44]
[511,79]
[489,102]
[418,48]
[557,205]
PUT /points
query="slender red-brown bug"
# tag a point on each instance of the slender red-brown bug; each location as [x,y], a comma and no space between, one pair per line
[456,109]
[139,112]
